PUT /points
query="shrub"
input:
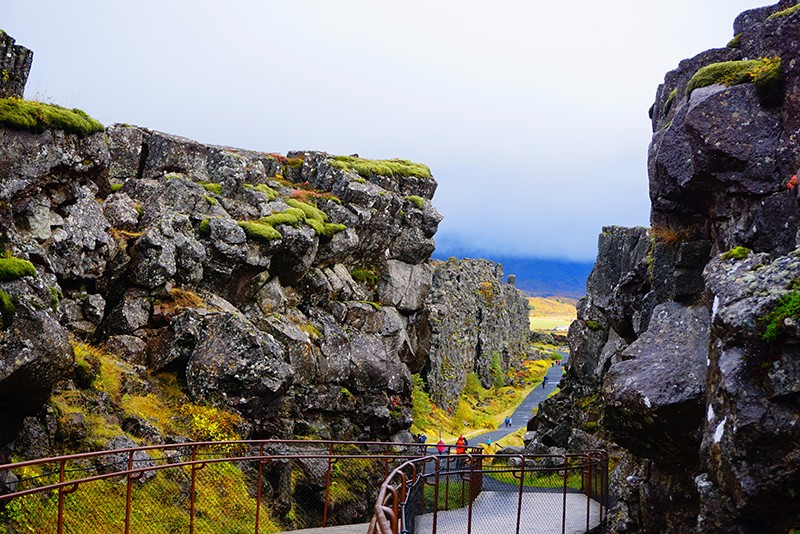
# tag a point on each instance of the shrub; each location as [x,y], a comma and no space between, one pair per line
[35,116]
[259,231]
[382,167]
[15,268]
[736,253]
[764,73]
[208,423]
[668,235]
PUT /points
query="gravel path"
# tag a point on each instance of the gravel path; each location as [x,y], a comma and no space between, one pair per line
[496,513]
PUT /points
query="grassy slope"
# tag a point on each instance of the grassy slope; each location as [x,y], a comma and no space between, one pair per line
[547,313]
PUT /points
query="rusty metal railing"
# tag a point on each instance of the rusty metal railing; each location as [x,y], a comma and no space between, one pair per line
[251,486]
[551,491]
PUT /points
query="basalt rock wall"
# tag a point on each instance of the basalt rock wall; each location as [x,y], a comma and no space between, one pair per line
[151,245]
[478,325]
[674,366]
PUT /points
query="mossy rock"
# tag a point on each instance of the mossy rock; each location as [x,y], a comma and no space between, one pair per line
[7,308]
[290,216]
[670,101]
[15,268]
[736,253]
[785,13]
[416,200]
[212,187]
[765,73]
[37,117]
[260,231]
[382,167]
[310,211]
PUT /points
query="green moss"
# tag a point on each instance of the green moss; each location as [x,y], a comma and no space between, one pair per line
[365,276]
[788,308]
[764,73]
[736,42]
[594,326]
[116,187]
[417,201]
[670,100]
[7,308]
[375,305]
[15,268]
[259,231]
[310,211]
[325,229]
[55,297]
[205,227]
[346,393]
[263,188]
[212,187]
[736,253]
[360,180]
[294,162]
[35,116]
[784,13]
[291,216]
[383,167]
[211,200]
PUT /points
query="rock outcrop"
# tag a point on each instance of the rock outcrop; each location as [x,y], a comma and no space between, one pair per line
[684,354]
[478,324]
[288,289]
[15,64]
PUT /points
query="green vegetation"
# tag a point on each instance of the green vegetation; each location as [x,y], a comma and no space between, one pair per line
[764,73]
[376,306]
[55,297]
[259,231]
[382,167]
[533,479]
[38,117]
[15,268]
[211,200]
[310,211]
[670,100]
[451,495]
[497,372]
[772,324]
[212,187]
[290,216]
[116,187]
[7,308]
[205,227]
[594,326]
[325,229]
[784,13]
[736,253]
[263,188]
[736,42]
[417,201]
[365,276]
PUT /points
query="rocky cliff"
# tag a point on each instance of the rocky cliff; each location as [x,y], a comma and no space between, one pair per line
[295,292]
[478,324]
[685,352]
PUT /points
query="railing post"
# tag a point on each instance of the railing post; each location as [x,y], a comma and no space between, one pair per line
[258,488]
[521,484]
[61,498]
[128,489]
[191,490]
[436,493]
[590,459]
[328,486]
[564,499]
[469,509]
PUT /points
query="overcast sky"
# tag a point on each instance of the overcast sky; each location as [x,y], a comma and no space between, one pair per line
[532,115]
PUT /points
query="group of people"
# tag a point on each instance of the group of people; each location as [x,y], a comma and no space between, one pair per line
[508,422]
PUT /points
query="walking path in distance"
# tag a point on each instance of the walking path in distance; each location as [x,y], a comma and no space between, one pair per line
[523,412]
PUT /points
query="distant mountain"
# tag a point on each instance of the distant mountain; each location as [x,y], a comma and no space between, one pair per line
[544,277]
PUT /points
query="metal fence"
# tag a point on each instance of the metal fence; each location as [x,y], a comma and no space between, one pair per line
[234,487]
[477,494]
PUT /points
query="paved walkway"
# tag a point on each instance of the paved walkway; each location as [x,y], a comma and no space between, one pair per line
[343,529]
[523,412]
[496,512]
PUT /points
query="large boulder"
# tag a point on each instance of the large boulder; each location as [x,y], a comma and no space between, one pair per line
[15,64]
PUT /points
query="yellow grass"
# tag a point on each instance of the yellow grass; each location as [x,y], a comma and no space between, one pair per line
[548,313]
